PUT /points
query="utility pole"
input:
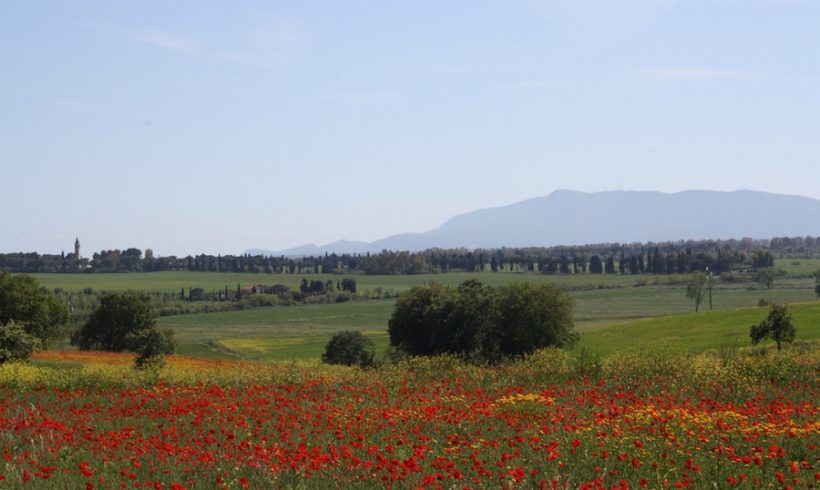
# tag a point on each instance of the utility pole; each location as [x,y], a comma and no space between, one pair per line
[709,280]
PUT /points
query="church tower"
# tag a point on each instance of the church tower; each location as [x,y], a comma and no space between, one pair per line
[77,248]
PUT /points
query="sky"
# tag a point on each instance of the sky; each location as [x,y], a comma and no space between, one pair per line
[214,127]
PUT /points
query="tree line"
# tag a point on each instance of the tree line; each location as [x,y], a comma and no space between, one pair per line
[636,258]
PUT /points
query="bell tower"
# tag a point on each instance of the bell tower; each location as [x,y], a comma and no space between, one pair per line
[77,248]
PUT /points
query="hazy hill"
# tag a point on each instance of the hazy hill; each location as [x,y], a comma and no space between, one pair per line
[577,218]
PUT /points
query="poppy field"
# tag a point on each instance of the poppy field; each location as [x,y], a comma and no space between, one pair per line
[745,419]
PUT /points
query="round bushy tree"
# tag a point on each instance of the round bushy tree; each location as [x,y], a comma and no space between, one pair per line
[532,316]
[25,302]
[481,322]
[116,324]
[351,349]
[125,322]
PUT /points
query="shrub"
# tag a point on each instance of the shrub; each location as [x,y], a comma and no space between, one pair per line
[351,349]
[15,343]
[152,345]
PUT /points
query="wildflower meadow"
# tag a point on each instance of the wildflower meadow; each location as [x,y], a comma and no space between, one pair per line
[743,419]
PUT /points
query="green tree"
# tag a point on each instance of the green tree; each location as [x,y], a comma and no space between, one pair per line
[595,265]
[765,276]
[39,312]
[351,349]
[532,316]
[15,343]
[152,345]
[124,322]
[817,283]
[696,288]
[778,326]
[348,284]
[417,319]
[481,322]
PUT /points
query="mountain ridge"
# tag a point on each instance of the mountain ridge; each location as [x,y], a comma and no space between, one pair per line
[568,217]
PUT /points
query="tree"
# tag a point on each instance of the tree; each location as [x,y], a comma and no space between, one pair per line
[696,288]
[350,348]
[39,312]
[124,322]
[595,265]
[481,322]
[532,316]
[778,326]
[817,283]
[609,268]
[152,345]
[15,343]
[765,276]
[417,318]
[762,259]
[348,284]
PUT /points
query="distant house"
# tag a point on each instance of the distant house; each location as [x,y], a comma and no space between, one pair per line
[252,289]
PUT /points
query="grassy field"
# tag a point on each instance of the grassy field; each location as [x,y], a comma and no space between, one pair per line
[300,332]
[295,332]
[805,267]
[172,281]
[697,332]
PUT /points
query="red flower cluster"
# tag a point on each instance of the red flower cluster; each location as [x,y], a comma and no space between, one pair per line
[408,432]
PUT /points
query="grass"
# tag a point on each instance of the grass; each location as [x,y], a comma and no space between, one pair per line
[301,332]
[805,267]
[697,332]
[173,281]
[296,332]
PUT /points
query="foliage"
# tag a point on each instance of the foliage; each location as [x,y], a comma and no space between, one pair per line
[765,276]
[668,258]
[152,344]
[778,326]
[350,348]
[482,322]
[15,343]
[125,321]
[349,284]
[817,283]
[696,288]
[39,312]
[531,316]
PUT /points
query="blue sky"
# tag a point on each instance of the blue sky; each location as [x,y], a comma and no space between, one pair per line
[198,126]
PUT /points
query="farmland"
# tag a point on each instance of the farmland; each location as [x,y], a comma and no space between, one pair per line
[654,396]
[300,332]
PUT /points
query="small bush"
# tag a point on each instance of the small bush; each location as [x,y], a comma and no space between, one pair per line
[15,343]
[350,349]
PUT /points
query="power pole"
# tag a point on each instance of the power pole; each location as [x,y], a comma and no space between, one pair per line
[709,280]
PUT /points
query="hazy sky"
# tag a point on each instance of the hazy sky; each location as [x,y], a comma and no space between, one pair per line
[214,127]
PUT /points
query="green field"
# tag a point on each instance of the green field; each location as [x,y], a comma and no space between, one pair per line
[805,267]
[172,281]
[278,333]
[698,332]
[301,331]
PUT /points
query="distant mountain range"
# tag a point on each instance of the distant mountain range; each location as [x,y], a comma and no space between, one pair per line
[577,218]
